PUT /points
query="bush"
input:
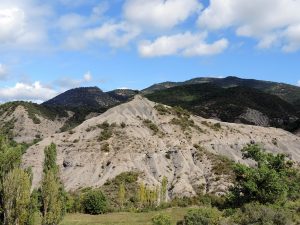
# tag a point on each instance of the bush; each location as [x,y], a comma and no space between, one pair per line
[202,216]
[152,126]
[161,219]
[94,202]
[273,179]
[255,213]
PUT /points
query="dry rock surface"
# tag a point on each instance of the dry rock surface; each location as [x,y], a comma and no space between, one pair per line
[24,129]
[155,141]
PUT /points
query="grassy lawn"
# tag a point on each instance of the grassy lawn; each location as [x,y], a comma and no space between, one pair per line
[176,214]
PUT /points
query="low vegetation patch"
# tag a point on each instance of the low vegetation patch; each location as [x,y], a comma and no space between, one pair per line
[152,126]
[107,131]
[221,165]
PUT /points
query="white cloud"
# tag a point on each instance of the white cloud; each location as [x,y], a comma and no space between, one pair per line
[271,22]
[159,14]
[115,34]
[87,77]
[28,92]
[186,44]
[22,23]
[71,21]
[3,72]
[298,83]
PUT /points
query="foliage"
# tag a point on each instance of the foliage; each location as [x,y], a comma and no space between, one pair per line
[162,110]
[228,103]
[50,159]
[163,191]
[273,179]
[161,219]
[255,213]
[16,197]
[121,194]
[94,202]
[107,131]
[52,192]
[10,158]
[152,126]
[202,216]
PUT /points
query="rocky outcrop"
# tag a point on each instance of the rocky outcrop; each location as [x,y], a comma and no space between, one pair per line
[156,141]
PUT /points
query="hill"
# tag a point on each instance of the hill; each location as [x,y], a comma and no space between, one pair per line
[156,141]
[238,104]
[28,122]
[286,92]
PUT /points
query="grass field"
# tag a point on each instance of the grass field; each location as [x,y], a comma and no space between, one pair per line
[176,214]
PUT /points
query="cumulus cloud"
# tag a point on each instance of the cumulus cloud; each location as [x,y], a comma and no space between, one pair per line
[186,44]
[22,23]
[160,14]
[35,92]
[298,83]
[272,22]
[3,72]
[115,34]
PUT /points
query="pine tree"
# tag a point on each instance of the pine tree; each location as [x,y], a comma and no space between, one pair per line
[16,196]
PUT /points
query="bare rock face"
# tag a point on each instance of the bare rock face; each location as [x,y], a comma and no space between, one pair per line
[22,128]
[156,141]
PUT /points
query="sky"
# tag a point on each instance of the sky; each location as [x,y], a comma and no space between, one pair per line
[50,46]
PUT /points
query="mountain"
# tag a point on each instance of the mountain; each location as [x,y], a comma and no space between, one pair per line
[287,92]
[28,122]
[154,141]
[238,104]
[91,97]
[122,95]
[87,102]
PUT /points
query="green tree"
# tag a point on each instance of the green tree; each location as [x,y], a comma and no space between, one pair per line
[50,159]
[10,158]
[142,194]
[163,192]
[16,196]
[273,179]
[161,219]
[52,192]
[94,202]
[121,194]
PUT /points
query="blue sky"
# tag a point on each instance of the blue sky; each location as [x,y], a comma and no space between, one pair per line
[47,47]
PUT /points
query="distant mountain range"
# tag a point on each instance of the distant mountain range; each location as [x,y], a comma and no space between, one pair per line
[229,99]
[287,92]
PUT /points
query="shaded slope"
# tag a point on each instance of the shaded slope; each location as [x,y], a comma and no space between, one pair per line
[287,92]
[235,104]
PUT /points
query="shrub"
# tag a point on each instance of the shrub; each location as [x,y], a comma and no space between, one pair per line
[94,202]
[273,179]
[105,135]
[161,109]
[151,126]
[123,125]
[255,213]
[202,216]
[161,219]
[105,147]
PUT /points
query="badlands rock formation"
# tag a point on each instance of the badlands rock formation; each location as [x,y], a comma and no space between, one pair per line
[155,141]
[23,128]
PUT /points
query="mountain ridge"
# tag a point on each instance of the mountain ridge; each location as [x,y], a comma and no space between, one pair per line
[156,141]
